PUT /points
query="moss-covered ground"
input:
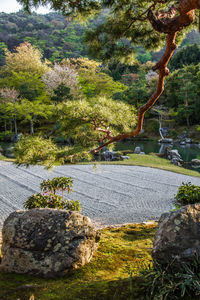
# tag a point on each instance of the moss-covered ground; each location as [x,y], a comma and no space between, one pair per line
[121,251]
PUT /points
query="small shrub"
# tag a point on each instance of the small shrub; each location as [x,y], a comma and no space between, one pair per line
[170,282]
[188,194]
[50,199]
[57,184]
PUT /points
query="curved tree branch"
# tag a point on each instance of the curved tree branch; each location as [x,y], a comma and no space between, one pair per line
[170,24]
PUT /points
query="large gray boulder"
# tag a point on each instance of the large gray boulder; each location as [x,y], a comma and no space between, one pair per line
[47,242]
[178,236]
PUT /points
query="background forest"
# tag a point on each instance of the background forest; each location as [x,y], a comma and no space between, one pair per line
[60,91]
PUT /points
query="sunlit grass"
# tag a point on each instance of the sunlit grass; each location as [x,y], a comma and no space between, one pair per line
[105,277]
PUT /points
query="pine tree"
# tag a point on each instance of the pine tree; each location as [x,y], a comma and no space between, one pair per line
[129,24]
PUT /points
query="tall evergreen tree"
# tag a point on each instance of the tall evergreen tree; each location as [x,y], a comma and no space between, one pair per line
[129,24]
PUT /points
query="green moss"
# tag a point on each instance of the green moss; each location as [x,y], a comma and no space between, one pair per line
[107,276]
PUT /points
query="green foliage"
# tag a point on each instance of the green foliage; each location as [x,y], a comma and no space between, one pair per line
[50,199]
[152,127]
[172,281]
[56,184]
[144,57]
[61,93]
[88,121]
[188,194]
[35,150]
[93,81]
[3,46]
[138,91]
[29,86]
[19,61]
[185,56]
[182,94]
[6,136]
[56,36]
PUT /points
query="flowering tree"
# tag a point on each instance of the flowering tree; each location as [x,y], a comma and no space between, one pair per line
[63,75]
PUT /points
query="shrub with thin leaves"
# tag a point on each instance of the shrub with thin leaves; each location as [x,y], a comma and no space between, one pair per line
[172,282]
[188,194]
[57,184]
[50,199]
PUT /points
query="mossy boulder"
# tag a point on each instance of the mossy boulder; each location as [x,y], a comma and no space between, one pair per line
[47,242]
[178,236]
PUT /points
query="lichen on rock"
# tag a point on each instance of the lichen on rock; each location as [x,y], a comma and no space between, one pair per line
[177,237]
[47,242]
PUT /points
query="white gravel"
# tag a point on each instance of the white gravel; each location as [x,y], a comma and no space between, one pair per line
[109,194]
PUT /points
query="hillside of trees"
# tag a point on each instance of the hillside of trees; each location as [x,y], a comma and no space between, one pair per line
[58,37]
[51,92]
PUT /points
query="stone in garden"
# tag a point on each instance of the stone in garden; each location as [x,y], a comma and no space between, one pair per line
[188,141]
[195,162]
[47,242]
[137,150]
[173,156]
[166,141]
[177,161]
[9,152]
[110,156]
[178,236]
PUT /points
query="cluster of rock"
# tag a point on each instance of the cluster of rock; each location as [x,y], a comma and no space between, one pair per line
[176,159]
[47,242]
[112,156]
[177,237]
[173,156]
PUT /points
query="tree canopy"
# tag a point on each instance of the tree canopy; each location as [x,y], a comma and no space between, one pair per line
[129,24]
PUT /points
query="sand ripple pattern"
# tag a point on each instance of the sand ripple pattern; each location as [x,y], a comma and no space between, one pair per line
[109,194]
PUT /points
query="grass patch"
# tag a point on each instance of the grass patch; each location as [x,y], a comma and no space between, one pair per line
[147,160]
[107,276]
[2,157]
[152,161]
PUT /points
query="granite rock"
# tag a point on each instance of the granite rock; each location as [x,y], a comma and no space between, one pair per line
[47,242]
[178,236]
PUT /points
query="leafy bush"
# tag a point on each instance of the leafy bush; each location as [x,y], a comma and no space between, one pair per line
[188,194]
[170,282]
[56,184]
[152,127]
[6,136]
[50,199]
